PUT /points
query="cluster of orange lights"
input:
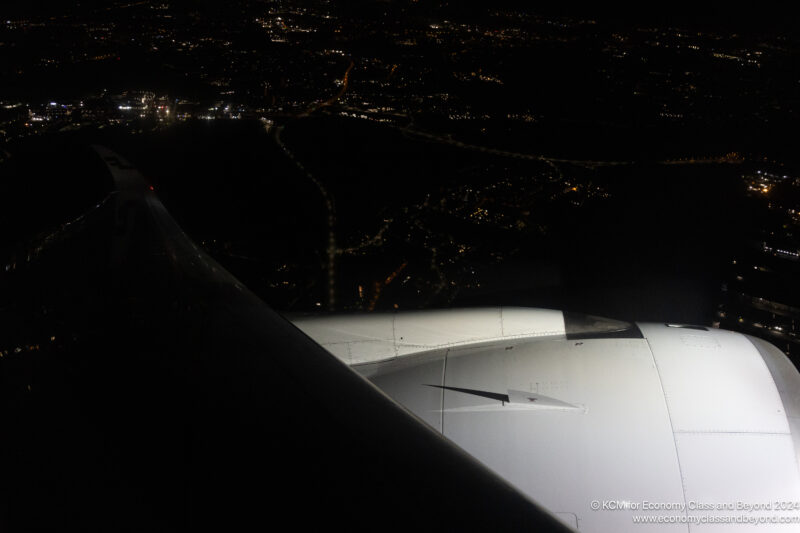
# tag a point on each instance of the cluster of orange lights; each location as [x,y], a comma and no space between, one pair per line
[25,348]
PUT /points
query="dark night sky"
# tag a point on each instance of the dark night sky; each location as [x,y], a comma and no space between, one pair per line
[758,16]
[731,16]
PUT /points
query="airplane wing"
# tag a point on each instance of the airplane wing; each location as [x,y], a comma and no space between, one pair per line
[612,426]
[165,396]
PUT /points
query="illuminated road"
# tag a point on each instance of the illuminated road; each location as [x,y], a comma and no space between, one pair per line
[732,159]
[332,250]
[508,153]
[332,100]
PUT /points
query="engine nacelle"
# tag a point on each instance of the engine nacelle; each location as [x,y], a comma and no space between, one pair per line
[610,425]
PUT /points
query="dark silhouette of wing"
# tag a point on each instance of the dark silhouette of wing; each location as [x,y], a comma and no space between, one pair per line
[185,403]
